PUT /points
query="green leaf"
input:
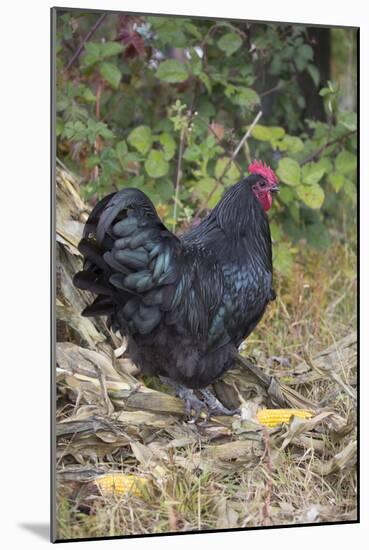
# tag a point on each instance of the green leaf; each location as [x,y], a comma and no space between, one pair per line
[205,108]
[311,195]
[195,62]
[282,258]
[286,194]
[83,92]
[95,52]
[59,126]
[99,128]
[276,66]
[303,55]
[314,73]
[141,139]
[348,120]
[318,236]
[289,171]
[301,101]
[92,161]
[155,165]
[204,187]
[350,190]
[290,143]
[245,97]
[267,133]
[129,161]
[172,71]
[62,104]
[325,163]
[206,80]
[111,73]
[164,189]
[168,144]
[121,150]
[192,29]
[230,43]
[345,162]
[91,54]
[324,91]
[312,172]
[111,166]
[336,181]
[169,31]
[108,49]
[306,52]
[276,231]
[192,153]
[134,181]
[232,173]
[108,154]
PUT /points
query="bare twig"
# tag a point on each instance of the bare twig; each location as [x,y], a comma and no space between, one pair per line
[231,159]
[245,137]
[319,151]
[208,34]
[276,88]
[80,48]
[218,26]
[212,30]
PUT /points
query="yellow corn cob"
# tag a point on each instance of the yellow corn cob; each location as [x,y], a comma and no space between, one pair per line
[120,484]
[273,417]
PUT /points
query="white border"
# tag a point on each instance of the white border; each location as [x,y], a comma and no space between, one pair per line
[24,268]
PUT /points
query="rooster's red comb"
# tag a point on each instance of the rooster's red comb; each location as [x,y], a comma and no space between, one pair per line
[258,167]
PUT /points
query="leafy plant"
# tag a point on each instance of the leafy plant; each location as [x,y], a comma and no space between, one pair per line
[162,103]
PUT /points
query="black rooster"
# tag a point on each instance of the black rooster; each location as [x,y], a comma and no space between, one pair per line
[185,303]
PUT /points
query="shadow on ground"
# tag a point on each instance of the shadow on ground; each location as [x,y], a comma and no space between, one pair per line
[42,530]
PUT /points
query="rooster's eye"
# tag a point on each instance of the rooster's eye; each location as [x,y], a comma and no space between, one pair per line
[262,183]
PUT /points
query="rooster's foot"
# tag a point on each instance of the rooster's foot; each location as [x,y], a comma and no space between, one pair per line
[215,407]
[191,402]
[194,406]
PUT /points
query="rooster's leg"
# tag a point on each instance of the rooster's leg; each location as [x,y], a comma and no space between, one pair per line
[215,407]
[191,402]
[210,404]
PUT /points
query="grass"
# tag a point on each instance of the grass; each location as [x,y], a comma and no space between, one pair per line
[192,490]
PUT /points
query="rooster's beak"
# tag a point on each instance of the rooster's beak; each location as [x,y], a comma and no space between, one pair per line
[275,189]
